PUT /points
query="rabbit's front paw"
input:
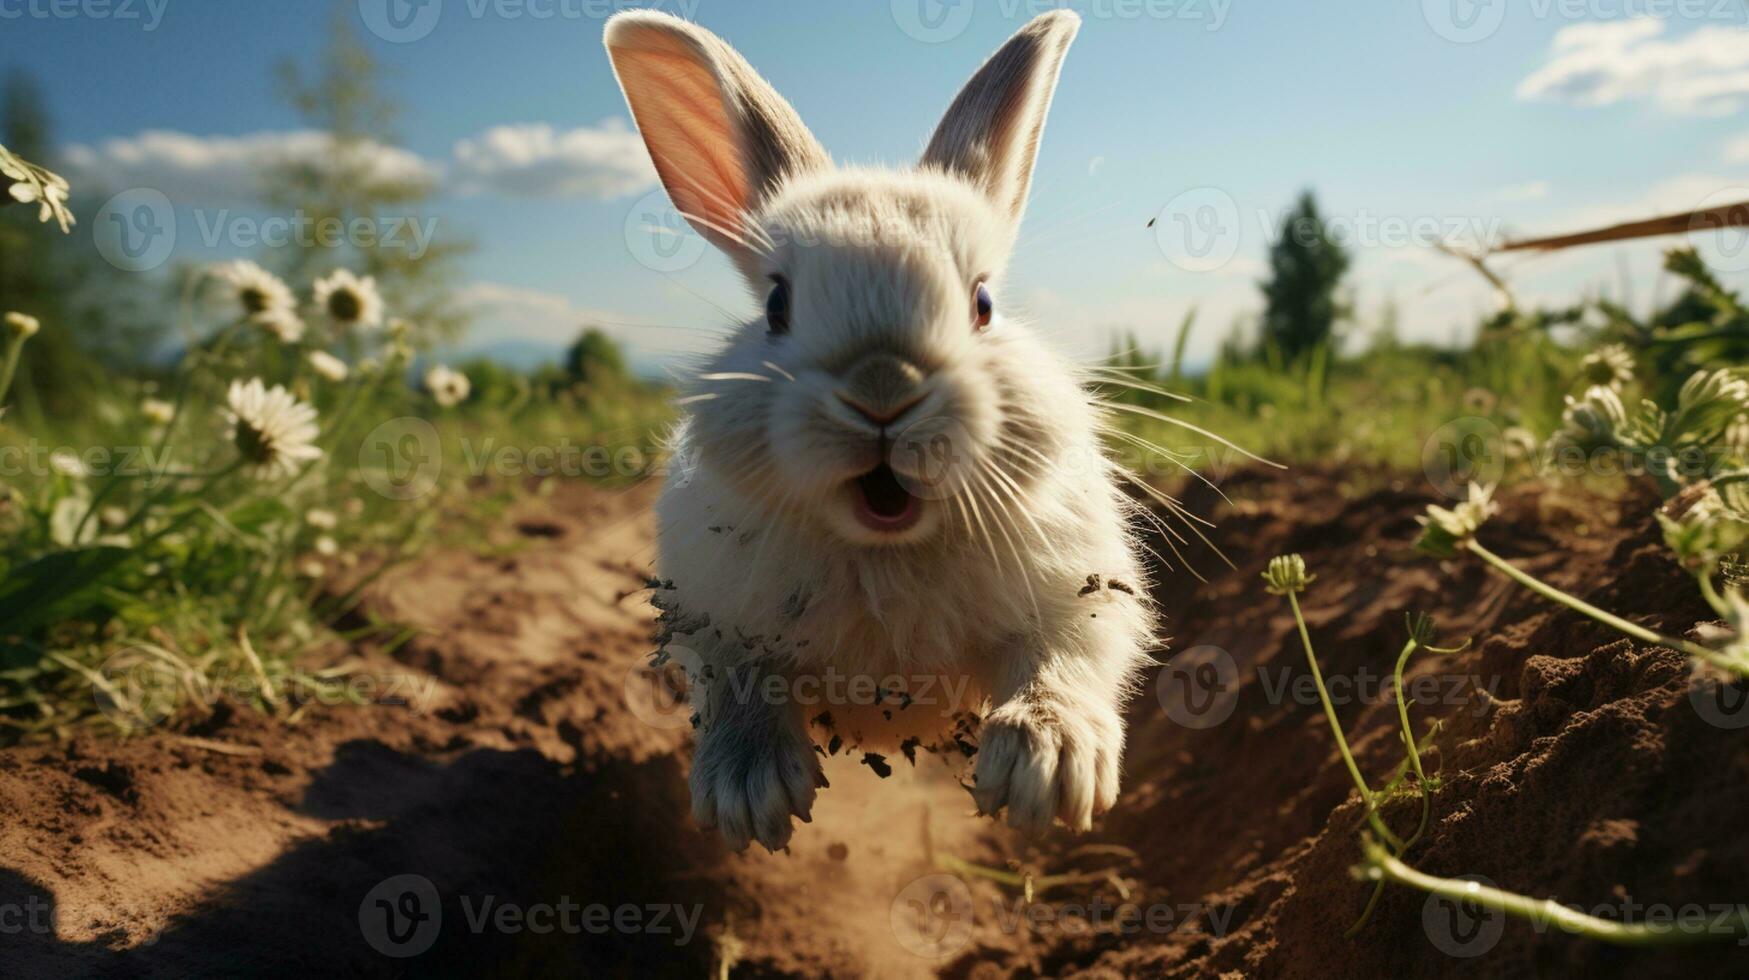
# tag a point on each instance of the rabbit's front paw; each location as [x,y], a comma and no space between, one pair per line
[749,788]
[1048,759]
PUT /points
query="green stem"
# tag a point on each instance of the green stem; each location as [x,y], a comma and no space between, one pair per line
[1366,794]
[1542,912]
[14,347]
[1609,619]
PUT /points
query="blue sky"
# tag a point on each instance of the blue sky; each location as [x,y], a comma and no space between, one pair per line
[1411,118]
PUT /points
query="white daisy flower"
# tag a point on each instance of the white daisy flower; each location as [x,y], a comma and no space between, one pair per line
[273,431]
[1610,365]
[328,366]
[157,411]
[322,520]
[327,546]
[67,463]
[22,324]
[448,388]
[258,292]
[312,568]
[112,516]
[1444,530]
[349,300]
[34,185]
[285,325]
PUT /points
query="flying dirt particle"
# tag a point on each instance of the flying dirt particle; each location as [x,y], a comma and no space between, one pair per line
[909,747]
[878,763]
[833,746]
[1119,586]
[823,719]
[1091,587]
[838,850]
[887,713]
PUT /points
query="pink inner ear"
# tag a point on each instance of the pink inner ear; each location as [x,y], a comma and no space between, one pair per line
[679,110]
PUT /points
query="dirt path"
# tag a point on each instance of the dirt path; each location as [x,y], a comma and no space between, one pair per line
[519,775]
[526,814]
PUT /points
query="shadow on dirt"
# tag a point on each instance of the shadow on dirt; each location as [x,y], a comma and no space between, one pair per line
[495,863]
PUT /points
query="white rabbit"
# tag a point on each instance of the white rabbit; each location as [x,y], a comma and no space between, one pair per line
[890,510]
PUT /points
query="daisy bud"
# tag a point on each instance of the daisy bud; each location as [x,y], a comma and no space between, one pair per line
[22,325]
[1286,575]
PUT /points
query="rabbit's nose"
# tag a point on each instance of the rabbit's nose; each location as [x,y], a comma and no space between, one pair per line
[882,387]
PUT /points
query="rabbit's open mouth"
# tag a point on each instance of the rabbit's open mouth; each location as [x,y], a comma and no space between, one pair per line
[883,503]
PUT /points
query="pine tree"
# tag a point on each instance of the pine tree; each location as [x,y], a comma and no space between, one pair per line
[1302,296]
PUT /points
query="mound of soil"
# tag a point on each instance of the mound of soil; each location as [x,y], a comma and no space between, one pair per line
[513,802]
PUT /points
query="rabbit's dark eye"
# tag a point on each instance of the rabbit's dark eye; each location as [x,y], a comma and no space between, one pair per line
[983,306]
[777,306]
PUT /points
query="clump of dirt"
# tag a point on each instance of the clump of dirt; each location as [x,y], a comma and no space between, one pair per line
[527,778]
[1574,764]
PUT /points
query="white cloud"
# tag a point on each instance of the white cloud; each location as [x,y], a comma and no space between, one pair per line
[535,160]
[230,169]
[1704,72]
[1534,190]
[526,160]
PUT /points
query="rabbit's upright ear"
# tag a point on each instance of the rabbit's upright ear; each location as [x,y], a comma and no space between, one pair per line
[990,135]
[720,136]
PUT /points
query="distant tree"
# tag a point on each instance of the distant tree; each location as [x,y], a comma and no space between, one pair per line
[1302,297]
[595,357]
[343,97]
